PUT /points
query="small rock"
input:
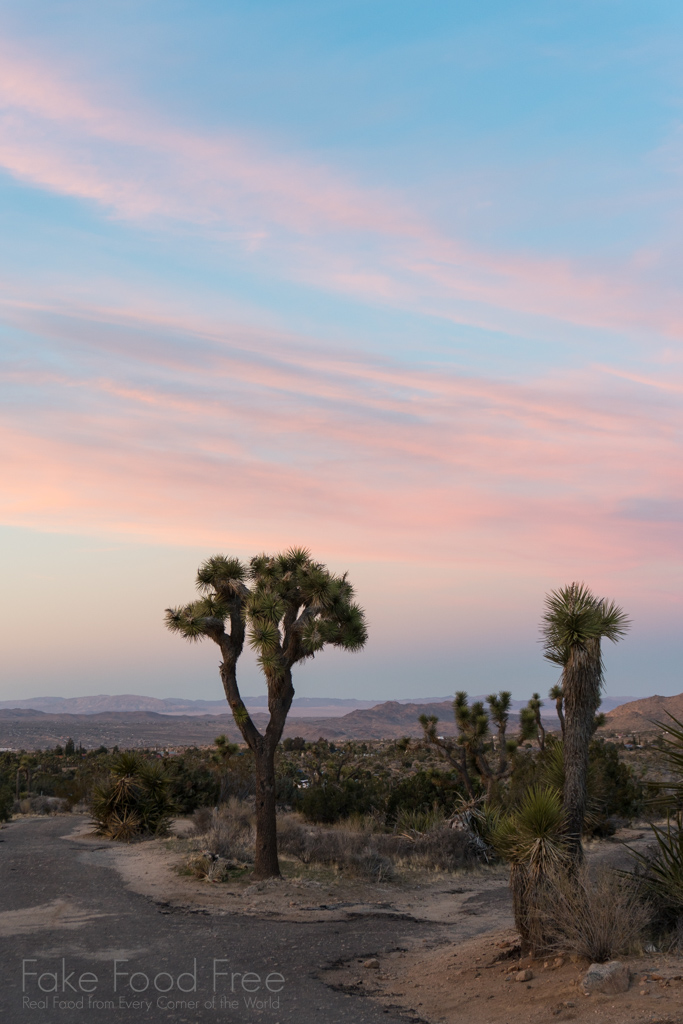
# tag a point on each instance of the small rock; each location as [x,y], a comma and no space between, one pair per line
[607,978]
[524,975]
[372,962]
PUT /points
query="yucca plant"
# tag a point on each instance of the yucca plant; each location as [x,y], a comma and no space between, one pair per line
[289,608]
[133,802]
[662,873]
[533,839]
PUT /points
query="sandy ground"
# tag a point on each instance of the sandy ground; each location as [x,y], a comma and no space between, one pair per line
[464,972]
[474,982]
[469,903]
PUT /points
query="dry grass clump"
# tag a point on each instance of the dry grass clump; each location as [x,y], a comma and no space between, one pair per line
[40,805]
[442,848]
[595,914]
[354,853]
[375,855]
[227,835]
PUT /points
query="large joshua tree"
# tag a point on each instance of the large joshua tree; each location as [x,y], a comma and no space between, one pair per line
[288,607]
[573,625]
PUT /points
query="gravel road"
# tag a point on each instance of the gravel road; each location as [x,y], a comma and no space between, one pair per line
[76,945]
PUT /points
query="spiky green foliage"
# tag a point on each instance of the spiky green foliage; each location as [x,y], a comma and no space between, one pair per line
[499,705]
[574,616]
[535,833]
[531,726]
[293,607]
[134,801]
[220,581]
[296,607]
[663,872]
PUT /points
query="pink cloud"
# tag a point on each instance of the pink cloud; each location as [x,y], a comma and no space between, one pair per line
[234,442]
[308,221]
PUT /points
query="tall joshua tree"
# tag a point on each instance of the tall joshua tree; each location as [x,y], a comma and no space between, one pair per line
[288,607]
[573,625]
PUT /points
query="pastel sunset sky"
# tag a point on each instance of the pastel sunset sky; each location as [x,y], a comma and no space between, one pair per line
[396,281]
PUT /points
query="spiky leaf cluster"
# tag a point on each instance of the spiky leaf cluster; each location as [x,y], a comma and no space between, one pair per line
[499,706]
[134,801]
[534,834]
[296,606]
[574,617]
[220,581]
[472,721]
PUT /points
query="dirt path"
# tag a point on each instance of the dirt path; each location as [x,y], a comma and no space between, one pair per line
[438,947]
[66,911]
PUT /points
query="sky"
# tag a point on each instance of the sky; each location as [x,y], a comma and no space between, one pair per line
[398,282]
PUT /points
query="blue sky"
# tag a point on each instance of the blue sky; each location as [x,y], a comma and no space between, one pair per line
[399,282]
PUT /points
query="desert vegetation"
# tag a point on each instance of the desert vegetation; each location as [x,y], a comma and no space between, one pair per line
[491,794]
[289,608]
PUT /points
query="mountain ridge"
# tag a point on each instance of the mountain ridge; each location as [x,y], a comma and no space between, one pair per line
[301,706]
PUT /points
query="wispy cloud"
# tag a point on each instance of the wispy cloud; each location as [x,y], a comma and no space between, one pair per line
[304,219]
[205,436]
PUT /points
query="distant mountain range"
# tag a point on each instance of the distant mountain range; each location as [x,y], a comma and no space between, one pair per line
[302,707]
[30,728]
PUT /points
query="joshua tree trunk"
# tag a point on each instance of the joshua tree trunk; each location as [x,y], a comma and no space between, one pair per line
[520,890]
[266,864]
[581,685]
[280,695]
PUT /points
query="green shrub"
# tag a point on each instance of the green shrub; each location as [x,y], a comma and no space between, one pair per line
[421,793]
[6,802]
[333,801]
[192,783]
[134,802]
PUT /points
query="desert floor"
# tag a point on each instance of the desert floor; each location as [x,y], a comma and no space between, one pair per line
[423,947]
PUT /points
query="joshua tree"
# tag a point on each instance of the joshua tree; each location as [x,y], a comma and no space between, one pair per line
[530,721]
[468,753]
[499,705]
[573,625]
[289,607]
[557,694]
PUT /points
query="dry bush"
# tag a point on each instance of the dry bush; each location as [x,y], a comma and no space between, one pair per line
[211,869]
[368,864]
[40,805]
[418,822]
[232,832]
[354,853]
[201,821]
[374,854]
[594,914]
[440,849]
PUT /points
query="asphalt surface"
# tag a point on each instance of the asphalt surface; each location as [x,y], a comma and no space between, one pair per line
[66,919]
